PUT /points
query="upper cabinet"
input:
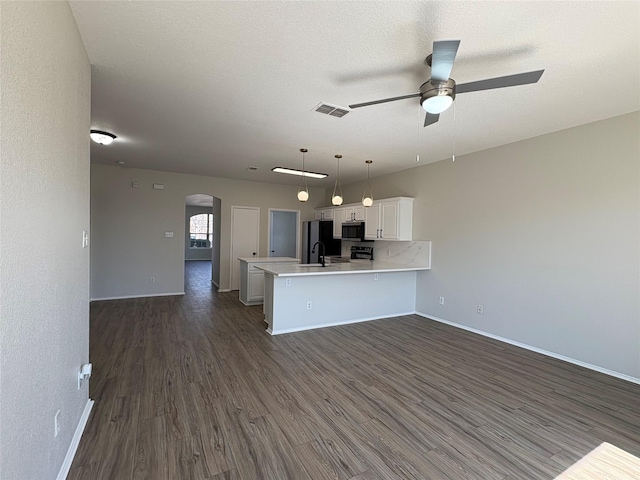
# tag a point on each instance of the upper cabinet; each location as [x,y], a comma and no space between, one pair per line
[354,213]
[339,217]
[323,214]
[389,219]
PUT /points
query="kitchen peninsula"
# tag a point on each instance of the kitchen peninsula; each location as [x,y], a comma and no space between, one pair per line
[303,297]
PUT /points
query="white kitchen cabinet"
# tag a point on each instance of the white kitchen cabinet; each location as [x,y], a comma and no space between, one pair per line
[372,221]
[252,279]
[354,213]
[323,214]
[389,219]
[339,217]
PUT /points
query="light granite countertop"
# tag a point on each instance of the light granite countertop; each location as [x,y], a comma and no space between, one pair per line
[366,266]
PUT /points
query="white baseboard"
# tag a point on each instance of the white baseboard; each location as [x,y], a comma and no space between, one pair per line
[75,441]
[335,324]
[215,283]
[580,363]
[224,290]
[167,294]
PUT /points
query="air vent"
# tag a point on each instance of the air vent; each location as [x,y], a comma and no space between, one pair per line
[332,110]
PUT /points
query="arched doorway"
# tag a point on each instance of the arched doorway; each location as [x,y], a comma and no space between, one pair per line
[202,238]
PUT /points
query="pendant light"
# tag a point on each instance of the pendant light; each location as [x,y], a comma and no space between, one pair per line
[367,196]
[336,198]
[303,194]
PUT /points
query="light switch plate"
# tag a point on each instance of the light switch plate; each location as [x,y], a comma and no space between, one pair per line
[168,234]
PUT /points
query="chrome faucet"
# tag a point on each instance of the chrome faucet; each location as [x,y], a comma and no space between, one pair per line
[321,252]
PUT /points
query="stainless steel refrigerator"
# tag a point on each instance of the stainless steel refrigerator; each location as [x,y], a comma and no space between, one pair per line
[319,231]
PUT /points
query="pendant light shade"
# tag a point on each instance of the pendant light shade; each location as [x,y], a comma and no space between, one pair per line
[367,196]
[336,197]
[303,190]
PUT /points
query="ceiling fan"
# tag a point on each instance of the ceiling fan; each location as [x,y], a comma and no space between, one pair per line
[438,93]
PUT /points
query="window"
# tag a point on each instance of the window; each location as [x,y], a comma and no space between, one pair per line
[201,230]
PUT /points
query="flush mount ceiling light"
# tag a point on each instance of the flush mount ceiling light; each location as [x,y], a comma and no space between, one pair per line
[336,197]
[367,196]
[293,171]
[103,138]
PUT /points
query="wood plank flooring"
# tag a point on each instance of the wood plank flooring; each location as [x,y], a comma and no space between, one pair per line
[194,388]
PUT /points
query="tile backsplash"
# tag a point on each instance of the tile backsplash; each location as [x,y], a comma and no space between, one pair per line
[416,252]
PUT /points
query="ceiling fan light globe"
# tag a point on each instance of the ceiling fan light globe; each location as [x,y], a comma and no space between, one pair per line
[367,201]
[336,200]
[437,104]
[303,195]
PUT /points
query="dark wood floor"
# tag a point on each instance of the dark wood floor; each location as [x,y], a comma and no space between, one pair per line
[194,388]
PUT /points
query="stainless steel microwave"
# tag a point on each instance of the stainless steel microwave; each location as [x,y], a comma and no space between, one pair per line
[353,231]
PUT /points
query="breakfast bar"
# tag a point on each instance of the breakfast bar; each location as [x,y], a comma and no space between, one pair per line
[302,296]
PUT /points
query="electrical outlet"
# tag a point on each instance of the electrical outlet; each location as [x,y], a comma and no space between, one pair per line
[480,309]
[85,239]
[309,305]
[441,301]
[56,424]
[152,279]
[287,282]
[375,276]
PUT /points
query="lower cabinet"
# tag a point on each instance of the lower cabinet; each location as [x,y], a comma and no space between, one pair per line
[252,278]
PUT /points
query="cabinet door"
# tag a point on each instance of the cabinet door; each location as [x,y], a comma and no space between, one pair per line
[350,214]
[327,214]
[372,221]
[339,217]
[358,212]
[256,286]
[389,220]
[317,215]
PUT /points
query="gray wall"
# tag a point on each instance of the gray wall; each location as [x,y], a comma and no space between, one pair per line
[128,226]
[44,197]
[544,233]
[197,253]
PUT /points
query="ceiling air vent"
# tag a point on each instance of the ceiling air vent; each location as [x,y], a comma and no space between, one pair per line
[332,110]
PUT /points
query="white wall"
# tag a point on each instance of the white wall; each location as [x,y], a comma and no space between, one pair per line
[128,226]
[544,233]
[196,253]
[44,291]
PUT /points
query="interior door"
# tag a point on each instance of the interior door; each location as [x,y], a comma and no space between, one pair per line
[283,233]
[245,238]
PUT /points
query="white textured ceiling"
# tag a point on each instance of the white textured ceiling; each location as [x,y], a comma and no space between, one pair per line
[211,88]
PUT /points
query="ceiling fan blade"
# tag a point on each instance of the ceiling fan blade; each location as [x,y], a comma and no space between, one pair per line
[385,100]
[444,53]
[500,82]
[430,119]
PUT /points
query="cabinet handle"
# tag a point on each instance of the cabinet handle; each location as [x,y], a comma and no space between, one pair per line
[380,233]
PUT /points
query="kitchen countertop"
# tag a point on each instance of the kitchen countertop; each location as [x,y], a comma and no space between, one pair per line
[366,266]
[268,259]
